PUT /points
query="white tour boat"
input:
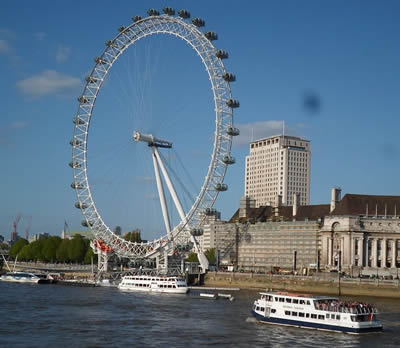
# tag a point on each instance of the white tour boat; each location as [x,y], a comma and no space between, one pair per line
[316,312]
[20,277]
[171,285]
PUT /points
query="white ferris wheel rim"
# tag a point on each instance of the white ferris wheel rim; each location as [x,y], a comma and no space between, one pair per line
[213,183]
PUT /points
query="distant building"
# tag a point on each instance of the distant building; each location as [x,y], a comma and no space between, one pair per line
[207,239]
[359,233]
[117,230]
[278,166]
[258,239]
[362,232]
[38,236]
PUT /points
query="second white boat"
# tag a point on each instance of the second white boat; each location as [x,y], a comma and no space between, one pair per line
[162,284]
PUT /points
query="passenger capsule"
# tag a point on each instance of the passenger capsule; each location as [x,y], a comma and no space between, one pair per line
[74,164]
[121,28]
[153,12]
[184,14]
[210,35]
[229,77]
[100,60]
[136,18]
[77,120]
[196,232]
[232,131]
[81,205]
[169,11]
[90,79]
[233,103]
[221,187]
[75,142]
[77,186]
[198,22]
[85,223]
[221,54]
[83,100]
[228,159]
[210,211]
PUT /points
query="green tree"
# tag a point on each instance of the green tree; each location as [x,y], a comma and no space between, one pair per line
[25,253]
[19,244]
[133,236]
[62,251]
[192,258]
[50,246]
[36,248]
[88,257]
[211,256]
[76,249]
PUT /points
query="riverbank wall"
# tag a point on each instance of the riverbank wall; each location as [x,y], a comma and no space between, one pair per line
[322,284]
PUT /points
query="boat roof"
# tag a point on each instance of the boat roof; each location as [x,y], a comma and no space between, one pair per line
[293,294]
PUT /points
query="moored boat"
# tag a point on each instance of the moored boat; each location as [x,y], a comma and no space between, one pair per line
[316,312]
[162,284]
[20,277]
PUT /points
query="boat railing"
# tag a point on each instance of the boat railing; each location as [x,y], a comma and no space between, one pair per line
[354,308]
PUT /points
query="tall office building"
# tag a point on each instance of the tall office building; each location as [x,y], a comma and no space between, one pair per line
[278,166]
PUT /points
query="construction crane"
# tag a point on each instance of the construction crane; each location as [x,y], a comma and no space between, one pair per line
[28,226]
[14,235]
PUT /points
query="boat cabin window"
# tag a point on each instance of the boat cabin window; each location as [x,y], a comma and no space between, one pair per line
[281,299]
[301,314]
[322,317]
[337,317]
[287,312]
[294,314]
[288,300]
[302,302]
[273,310]
[313,316]
[307,315]
[308,302]
[296,301]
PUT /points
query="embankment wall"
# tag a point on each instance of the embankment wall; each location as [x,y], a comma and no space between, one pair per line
[324,285]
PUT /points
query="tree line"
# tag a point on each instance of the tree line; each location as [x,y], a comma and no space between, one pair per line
[54,249]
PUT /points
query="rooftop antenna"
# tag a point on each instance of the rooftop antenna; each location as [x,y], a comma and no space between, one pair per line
[283,127]
[252,134]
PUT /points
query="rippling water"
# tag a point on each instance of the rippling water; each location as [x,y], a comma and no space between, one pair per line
[55,315]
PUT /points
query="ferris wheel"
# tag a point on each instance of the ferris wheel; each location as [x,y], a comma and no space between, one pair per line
[190,221]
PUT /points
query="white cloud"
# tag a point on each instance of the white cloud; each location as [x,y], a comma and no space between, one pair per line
[39,35]
[18,125]
[49,82]
[258,130]
[62,54]
[147,179]
[6,33]
[4,47]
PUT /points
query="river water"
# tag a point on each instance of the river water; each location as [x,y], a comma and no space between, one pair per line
[56,315]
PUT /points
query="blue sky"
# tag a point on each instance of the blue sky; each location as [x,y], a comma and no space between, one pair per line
[344,54]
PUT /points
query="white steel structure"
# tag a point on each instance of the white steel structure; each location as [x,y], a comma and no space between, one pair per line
[278,166]
[185,232]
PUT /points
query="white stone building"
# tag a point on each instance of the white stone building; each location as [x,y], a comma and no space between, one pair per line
[362,232]
[278,165]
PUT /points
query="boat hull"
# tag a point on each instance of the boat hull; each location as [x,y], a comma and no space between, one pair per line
[317,326]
